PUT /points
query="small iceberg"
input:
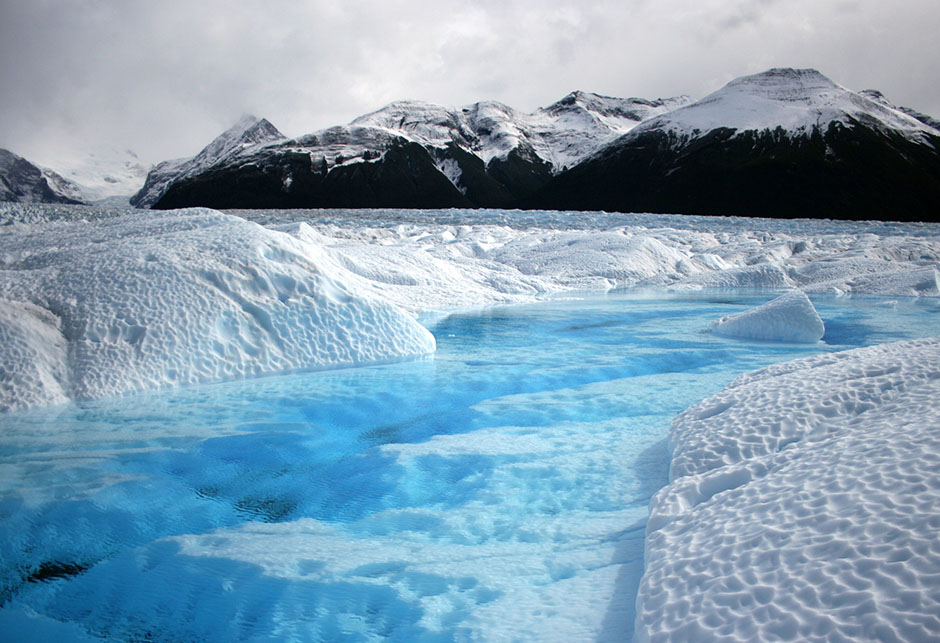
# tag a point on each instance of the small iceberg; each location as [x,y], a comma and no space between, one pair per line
[788,318]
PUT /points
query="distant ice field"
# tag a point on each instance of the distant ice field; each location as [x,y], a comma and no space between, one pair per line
[497,490]
[519,219]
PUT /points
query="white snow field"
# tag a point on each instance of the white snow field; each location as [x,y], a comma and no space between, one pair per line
[803,506]
[794,100]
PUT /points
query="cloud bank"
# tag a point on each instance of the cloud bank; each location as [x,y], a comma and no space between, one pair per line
[164,78]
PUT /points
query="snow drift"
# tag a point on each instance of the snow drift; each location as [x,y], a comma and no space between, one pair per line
[138,302]
[802,505]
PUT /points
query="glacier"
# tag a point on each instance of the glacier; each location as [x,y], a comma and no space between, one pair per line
[801,499]
[142,302]
[101,301]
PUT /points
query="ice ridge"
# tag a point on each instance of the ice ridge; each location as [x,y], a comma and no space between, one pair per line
[97,309]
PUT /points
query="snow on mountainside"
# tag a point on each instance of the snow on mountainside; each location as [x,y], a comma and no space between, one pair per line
[785,143]
[795,100]
[248,133]
[561,134]
[24,182]
[582,122]
[488,153]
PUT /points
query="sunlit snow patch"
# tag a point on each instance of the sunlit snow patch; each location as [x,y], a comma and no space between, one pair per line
[788,318]
[144,301]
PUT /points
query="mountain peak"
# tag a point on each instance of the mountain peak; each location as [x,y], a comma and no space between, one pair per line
[251,129]
[798,101]
[248,131]
[786,84]
[788,75]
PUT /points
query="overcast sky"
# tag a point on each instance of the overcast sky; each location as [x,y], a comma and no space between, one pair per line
[164,77]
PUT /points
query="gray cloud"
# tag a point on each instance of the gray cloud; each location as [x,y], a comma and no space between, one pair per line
[164,78]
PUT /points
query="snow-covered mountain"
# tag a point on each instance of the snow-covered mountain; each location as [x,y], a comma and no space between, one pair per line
[24,182]
[246,135]
[797,101]
[561,134]
[408,153]
[785,142]
[782,143]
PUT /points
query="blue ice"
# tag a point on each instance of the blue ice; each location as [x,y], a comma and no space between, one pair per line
[496,491]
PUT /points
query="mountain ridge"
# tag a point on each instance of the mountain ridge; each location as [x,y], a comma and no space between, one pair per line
[784,143]
[249,131]
[25,182]
[491,155]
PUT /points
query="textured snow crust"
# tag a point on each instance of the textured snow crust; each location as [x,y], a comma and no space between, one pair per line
[137,302]
[788,318]
[802,505]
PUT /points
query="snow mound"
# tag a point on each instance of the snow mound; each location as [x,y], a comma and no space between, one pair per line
[138,302]
[788,318]
[762,275]
[802,505]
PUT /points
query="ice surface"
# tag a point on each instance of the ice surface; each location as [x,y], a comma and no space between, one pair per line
[143,301]
[788,318]
[418,262]
[34,356]
[802,505]
[509,504]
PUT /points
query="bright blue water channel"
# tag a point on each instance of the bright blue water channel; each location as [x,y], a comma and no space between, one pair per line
[498,490]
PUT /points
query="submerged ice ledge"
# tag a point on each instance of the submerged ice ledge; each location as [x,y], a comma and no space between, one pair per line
[802,505]
[96,302]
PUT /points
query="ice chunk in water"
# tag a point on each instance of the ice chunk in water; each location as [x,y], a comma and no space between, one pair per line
[788,318]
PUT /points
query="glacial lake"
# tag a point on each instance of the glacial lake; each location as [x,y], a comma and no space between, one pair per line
[495,491]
